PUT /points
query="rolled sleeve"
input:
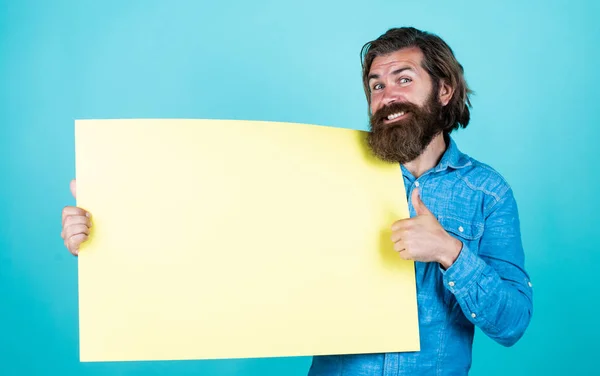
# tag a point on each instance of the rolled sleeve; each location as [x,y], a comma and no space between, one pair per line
[464,272]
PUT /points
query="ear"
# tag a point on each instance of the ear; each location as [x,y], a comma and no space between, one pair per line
[445,93]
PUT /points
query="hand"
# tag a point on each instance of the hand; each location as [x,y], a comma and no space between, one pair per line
[76,225]
[422,238]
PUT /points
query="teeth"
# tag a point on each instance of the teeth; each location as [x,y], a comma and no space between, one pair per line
[396,115]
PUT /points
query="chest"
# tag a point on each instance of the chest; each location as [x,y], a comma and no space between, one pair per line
[457,205]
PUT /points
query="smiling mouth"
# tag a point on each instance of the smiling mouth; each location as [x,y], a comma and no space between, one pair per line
[395,116]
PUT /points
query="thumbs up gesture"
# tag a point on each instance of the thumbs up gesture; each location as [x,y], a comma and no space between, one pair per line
[422,238]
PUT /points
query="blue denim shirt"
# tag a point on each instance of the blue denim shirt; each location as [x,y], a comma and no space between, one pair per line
[486,287]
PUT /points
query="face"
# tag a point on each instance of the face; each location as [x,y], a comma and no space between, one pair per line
[405,111]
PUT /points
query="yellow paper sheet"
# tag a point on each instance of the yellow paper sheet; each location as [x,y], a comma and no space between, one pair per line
[227,239]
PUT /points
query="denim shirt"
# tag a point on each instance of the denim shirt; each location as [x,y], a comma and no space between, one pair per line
[486,287]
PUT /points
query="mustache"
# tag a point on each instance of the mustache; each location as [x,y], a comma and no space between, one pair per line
[380,115]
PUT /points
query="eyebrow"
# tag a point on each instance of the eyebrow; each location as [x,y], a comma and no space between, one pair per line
[397,71]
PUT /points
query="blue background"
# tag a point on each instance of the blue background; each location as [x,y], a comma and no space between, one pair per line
[533,65]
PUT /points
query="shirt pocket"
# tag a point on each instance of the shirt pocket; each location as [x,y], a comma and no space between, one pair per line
[467,231]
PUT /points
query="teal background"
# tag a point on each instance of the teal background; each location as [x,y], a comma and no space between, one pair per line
[533,65]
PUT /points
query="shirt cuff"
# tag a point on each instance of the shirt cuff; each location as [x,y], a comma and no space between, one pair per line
[465,270]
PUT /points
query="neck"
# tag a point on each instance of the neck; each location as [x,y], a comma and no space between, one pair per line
[429,158]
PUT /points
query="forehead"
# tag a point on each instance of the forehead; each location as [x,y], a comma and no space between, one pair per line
[410,56]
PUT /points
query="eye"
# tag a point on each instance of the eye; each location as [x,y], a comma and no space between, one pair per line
[377,87]
[405,80]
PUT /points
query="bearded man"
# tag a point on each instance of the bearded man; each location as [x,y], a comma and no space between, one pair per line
[464,230]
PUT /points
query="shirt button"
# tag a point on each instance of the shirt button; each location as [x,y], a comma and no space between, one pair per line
[451,283]
[417,184]
[529,283]
[461,229]
[473,315]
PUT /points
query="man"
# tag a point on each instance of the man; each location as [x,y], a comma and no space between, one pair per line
[464,232]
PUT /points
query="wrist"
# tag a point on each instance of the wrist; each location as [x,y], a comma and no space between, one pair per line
[451,254]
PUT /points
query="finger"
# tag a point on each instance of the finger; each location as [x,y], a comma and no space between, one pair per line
[75,211]
[77,220]
[403,251]
[402,232]
[402,224]
[396,236]
[73,187]
[399,246]
[405,254]
[74,242]
[76,230]
[419,206]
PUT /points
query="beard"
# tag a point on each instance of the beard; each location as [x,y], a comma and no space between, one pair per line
[403,140]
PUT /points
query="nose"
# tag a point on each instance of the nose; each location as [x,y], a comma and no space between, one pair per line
[389,96]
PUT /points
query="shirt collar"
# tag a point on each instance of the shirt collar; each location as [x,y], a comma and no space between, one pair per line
[452,158]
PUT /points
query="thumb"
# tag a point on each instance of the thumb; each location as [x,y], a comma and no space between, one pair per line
[73,187]
[419,206]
